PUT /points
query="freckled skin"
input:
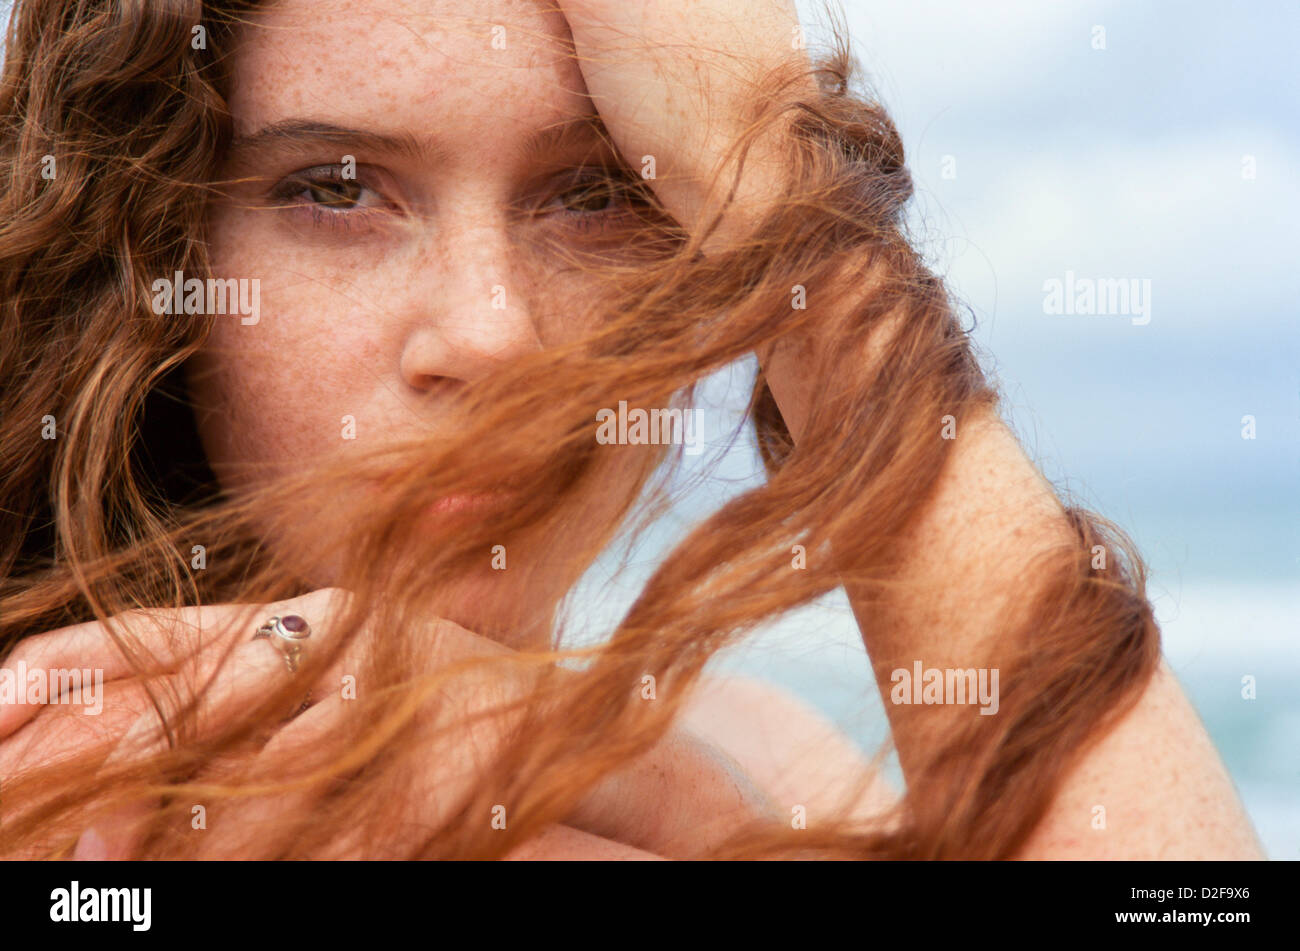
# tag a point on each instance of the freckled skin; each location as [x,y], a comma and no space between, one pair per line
[377,324]
[381,323]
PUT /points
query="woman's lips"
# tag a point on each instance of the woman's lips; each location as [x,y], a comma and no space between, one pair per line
[456,504]
[464,503]
[460,503]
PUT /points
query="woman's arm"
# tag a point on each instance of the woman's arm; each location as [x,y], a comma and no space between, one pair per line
[566,844]
[793,753]
[1164,789]
[1165,792]
[670,79]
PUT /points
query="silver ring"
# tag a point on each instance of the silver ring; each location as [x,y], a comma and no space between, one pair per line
[288,634]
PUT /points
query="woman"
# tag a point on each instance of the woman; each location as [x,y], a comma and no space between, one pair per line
[474,229]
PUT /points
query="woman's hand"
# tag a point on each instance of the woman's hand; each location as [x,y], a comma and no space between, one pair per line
[677,799]
[113,708]
[672,81]
[189,646]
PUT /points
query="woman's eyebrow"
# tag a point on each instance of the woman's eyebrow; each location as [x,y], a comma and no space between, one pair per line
[289,133]
[571,134]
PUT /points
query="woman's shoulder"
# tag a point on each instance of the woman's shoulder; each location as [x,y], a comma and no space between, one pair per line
[791,751]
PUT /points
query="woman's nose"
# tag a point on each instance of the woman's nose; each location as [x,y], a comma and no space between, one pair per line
[473,310]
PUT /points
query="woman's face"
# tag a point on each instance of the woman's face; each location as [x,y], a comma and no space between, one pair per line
[381,295]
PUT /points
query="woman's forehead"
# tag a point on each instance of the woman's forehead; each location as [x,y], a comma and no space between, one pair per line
[412,64]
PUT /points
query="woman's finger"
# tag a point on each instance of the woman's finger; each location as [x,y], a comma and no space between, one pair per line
[44,669]
[253,669]
[113,837]
[243,822]
[463,729]
[72,664]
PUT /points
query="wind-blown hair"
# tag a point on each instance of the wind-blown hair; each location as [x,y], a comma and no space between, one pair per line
[103,518]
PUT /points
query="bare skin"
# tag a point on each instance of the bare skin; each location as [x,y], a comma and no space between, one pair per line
[1158,775]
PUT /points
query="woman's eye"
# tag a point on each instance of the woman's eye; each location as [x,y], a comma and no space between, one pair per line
[591,197]
[600,200]
[331,199]
[342,195]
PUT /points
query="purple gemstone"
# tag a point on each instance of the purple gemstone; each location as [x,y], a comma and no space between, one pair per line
[293,624]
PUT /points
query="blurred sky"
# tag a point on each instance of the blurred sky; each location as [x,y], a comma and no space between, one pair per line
[1123,163]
